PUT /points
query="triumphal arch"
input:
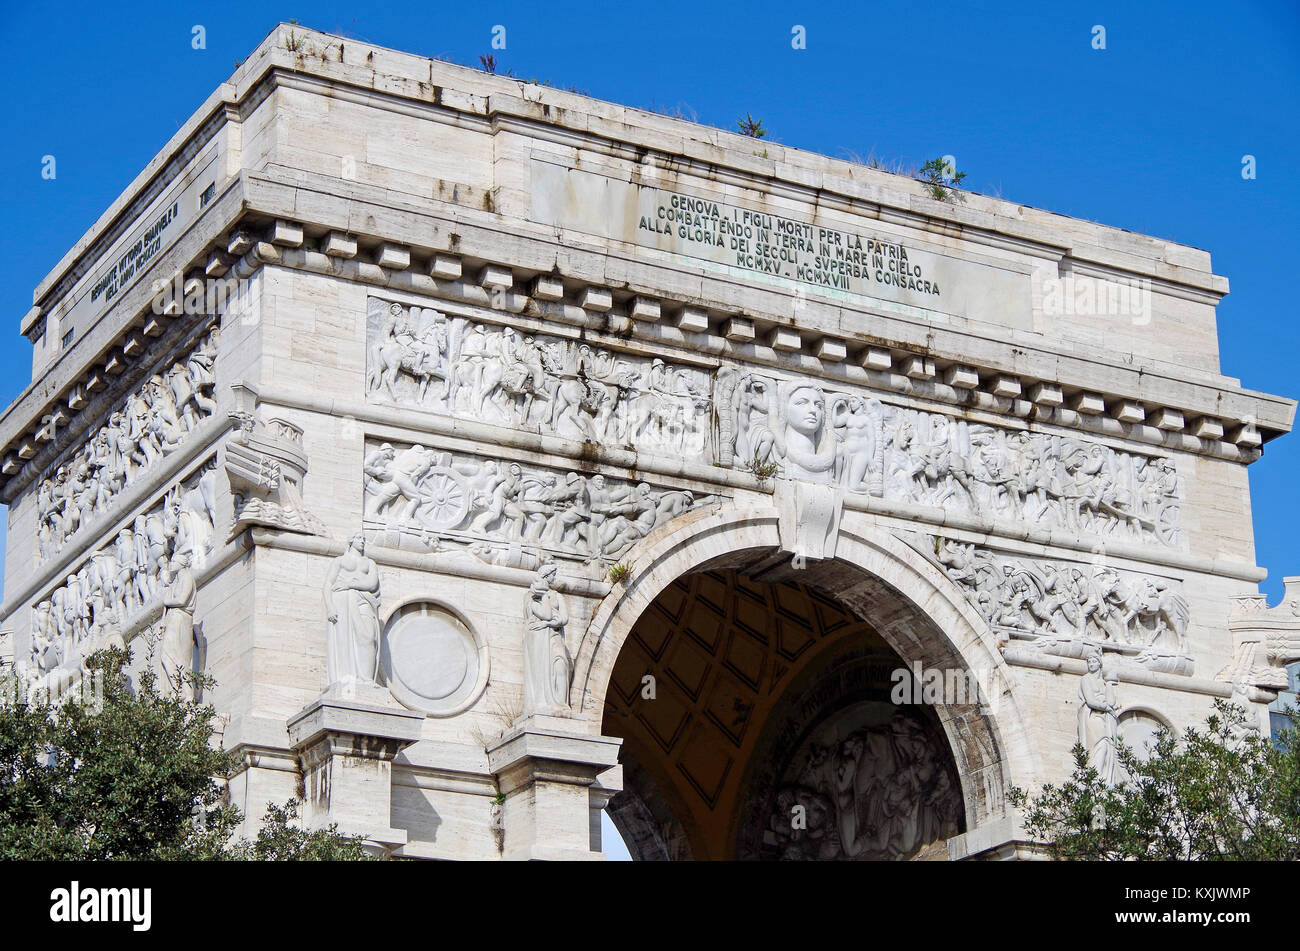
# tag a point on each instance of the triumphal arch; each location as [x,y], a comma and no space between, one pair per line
[506,456]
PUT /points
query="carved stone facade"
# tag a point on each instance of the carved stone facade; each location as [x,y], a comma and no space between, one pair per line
[423,357]
[151,423]
[507,492]
[1070,608]
[124,576]
[420,497]
[854,440]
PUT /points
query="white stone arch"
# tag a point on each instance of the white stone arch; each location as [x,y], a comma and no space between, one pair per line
[924,618]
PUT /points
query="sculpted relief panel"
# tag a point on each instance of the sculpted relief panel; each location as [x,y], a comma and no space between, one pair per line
[793,428]
[151,424]
[532,382]
[421,498]
[124,575]
[1070,609]
[906,455]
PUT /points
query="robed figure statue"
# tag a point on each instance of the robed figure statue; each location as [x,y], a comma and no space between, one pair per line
[547,664]
[352,609]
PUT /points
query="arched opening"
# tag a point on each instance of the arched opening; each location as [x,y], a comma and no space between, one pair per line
[883,578]
[758,722]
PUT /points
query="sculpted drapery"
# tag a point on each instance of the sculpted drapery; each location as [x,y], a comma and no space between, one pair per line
[352,608]
[548,666]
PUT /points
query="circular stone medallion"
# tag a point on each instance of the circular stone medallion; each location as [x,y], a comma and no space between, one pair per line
[431,659]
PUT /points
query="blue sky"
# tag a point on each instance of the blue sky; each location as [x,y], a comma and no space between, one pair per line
[1147,134]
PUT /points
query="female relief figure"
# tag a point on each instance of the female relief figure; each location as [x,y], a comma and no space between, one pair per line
[547,664]
[1098,724]
[803,441]
[352,609]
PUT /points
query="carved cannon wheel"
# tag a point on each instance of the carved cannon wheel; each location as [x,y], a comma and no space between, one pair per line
[1166,524]
[446,498]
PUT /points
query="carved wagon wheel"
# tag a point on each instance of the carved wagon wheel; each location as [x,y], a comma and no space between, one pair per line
[446,498]
[1166,524]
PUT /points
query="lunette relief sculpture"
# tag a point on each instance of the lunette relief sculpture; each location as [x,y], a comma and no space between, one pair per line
[351,595]
[868,792]
[152,423]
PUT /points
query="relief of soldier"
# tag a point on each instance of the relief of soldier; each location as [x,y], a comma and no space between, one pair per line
[502,375]
[428,494]
[124,576]
[153,422]
[797,430]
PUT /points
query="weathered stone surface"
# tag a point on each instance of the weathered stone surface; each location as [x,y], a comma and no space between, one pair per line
[488,349]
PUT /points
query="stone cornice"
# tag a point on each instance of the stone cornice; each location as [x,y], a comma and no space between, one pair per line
[902,356]
[899,355]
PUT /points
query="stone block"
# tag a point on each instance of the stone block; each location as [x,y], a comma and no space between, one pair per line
[340,244]
[644,308]
[1207,427]
[393,257]
[1167,419]
[445,267]
[1089,404]
[831,349]
[495,277]
[286,234]
[962,377]
[785,339]
[1046,394]
[739,329]
[918,368]
[876,358]
[548,287]
[597,299]
[1129,411]
[693,319]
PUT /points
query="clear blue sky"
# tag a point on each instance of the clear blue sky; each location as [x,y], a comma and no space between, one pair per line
[1147,134]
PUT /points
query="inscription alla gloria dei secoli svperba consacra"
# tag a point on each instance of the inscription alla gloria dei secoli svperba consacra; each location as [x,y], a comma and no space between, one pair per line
[771,244]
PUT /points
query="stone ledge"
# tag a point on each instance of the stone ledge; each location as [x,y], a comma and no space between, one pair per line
[362,716]
[1003,838]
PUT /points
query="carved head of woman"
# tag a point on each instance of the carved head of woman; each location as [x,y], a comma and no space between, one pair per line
[358,543]
[805,410]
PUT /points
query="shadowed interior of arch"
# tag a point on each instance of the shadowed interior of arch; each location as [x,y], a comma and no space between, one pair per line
[757,723]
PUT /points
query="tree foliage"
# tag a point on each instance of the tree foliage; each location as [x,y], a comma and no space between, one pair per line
[1219,793]
[130,774]
[940,178]
[751,127]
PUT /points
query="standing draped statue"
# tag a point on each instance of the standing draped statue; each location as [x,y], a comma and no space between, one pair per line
[178,626]
[548,666]
[1098,719]
[352,608]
